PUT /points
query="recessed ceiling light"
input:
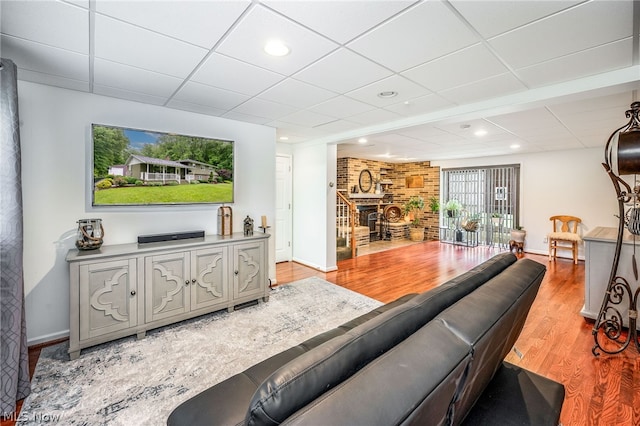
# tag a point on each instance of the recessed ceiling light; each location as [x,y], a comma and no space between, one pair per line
[284,138]
[480,133]
[514,146]
[387,94]
[362,140]
[276,48]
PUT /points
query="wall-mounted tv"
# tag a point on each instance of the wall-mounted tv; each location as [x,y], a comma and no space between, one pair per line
[134,167]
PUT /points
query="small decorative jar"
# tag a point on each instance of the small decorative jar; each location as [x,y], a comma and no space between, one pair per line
[90,234]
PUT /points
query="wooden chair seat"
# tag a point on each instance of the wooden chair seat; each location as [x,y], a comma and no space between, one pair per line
[564,236]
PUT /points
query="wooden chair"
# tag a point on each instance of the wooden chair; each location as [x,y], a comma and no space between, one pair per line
[564,236]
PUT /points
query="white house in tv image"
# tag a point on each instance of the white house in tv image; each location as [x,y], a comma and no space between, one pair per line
[149,169]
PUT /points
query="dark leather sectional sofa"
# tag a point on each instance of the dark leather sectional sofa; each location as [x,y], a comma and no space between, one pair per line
[433,358]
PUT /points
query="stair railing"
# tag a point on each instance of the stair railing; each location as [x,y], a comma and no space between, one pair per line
[346,221]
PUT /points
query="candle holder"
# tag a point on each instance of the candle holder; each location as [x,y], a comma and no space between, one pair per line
[264,228]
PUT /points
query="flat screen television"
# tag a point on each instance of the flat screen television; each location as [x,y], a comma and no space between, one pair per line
[132,167]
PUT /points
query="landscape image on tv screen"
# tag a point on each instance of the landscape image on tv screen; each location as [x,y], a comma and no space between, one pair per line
[140,168]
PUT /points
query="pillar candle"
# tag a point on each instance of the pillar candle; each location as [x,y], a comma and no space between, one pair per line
[264,221]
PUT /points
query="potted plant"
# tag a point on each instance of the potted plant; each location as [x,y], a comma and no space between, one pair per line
[453,207]
[434,205]
[413,208]
[518,234]
[495,218]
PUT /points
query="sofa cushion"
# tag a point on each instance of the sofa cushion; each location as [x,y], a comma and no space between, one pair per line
[490,321]
[313,373]
[413,383]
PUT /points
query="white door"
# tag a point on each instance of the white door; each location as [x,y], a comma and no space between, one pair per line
[283,208]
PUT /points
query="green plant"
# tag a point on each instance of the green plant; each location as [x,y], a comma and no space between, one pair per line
[434,205]
[453,205]
[496,215]
[415,205]
[104,184]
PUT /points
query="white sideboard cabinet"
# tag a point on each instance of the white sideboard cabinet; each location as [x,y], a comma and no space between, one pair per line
[127,289]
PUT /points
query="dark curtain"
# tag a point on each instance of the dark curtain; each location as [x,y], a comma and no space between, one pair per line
[13,344]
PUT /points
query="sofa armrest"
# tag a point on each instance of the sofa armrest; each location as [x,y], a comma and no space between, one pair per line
[516,396]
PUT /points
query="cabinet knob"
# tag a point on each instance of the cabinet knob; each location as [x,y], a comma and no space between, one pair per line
[133,292]
[193,280]
[235,272]
[186,282]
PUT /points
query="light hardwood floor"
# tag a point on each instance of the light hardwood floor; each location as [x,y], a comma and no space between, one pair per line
[556,341]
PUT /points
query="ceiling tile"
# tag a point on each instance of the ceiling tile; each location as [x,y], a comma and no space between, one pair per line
[260,25]
[339,20]
[231,74]
[582,27]
[492,87]
[342,71]
[420,105]
[462,67]
[336,126]
[534,122]
[307,118]
[375,116]
[112,74]
[116,92]
[594,105]
[341,107]
[120,42]
[45,59]
[200,109]
[52,80]
[413,38]
[491,17]
[202,94]
[202,23]
[406,90]
[588,62]
[69,30]
[262,108]
[232,115]
[296,93]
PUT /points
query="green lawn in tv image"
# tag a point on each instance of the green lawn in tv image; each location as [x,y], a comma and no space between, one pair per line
[168,194]
[137,167]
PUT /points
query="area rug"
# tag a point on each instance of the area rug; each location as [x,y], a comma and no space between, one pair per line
[139,382]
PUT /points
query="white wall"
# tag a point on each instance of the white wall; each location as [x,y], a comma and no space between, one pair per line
[553,183]
[55,130]
[311,192]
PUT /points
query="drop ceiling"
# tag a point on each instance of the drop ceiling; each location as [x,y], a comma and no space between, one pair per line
[533,75]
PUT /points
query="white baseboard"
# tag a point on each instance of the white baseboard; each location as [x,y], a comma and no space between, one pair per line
[319,268]
[47,338]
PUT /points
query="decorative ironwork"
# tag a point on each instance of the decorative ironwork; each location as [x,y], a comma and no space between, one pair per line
[608,330]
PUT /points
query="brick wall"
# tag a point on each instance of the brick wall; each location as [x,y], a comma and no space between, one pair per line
[349,172]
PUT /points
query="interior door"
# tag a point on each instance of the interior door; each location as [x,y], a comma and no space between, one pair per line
[283,223]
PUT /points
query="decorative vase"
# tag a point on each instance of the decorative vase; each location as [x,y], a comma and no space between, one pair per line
[90,234]
[518,235]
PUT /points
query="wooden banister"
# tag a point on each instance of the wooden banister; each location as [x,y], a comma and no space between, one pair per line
[345,220]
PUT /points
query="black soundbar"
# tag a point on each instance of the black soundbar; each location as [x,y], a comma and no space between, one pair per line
[175,236]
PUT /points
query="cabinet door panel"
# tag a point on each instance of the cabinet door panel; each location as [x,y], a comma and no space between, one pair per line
[209,270]
[166,285]
[107,297]
[248,269]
